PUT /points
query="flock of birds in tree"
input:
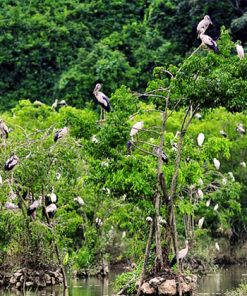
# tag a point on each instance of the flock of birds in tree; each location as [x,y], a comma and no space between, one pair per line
[51,199]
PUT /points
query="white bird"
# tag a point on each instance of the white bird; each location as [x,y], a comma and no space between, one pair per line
[216,163]
[161,220]
[106,190]
[240,129]
[55,104]
[208,203]
[174,147]
[200,222]
[11,206]
[62,103]
[11,162]
[224,181]
[223,134]
[181,254]
[135,128]
[200,139]
[149,219]
[216,207]
[58,175]
[1,180]
[4,129]
[98,222]
[50,210]
[60,133]
[50,198]
[231,176]
[200,193]
[240,51]
[94,139]
[203,25]
[198,116]
[209,42]
[102,99]
[79,200]
[217,247]
[243,164]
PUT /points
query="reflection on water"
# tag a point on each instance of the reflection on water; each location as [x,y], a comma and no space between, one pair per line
[77,287]
[212,284]
[221,281]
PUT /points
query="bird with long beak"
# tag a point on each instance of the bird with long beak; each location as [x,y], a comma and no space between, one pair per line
[209,42]
[102,100]
[203,25]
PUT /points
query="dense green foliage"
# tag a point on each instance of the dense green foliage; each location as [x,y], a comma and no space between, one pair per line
[60,49]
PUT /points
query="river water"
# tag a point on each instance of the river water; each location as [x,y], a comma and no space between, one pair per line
[212,284]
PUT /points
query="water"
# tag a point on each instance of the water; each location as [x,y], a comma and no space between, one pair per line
[212,284]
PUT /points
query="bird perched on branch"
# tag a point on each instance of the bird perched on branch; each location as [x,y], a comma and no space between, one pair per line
[203,25]
[4,129]
[60,133]
[163,155]
[50,210]
[200,222]
[50,198]
[240,129]
[240,51]
[135,128]
[223,134]
[216,163]
[181,255]
[102,100]
[58,104]
[200,139]
[11,162]
[209,42]
[31,210]
[79,200]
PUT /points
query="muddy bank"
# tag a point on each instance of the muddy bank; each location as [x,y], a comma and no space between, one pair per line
[29,278]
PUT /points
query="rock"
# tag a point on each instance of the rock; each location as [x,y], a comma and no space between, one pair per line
[18,285]
[185,287]
[60,279]
[41,283]
[167,288]
[147,289]
[22,278]
[156,281]
[29,284]
[13,280]
[47,278]
[53,281]
[18,274]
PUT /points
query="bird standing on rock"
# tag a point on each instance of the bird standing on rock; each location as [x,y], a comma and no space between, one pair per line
[102,99]
[181,255]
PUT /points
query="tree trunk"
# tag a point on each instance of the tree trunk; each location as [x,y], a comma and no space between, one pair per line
[147,252]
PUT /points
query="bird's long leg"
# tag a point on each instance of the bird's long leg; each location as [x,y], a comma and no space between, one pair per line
[101,113]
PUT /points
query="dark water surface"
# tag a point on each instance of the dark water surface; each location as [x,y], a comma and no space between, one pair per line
[212,284]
